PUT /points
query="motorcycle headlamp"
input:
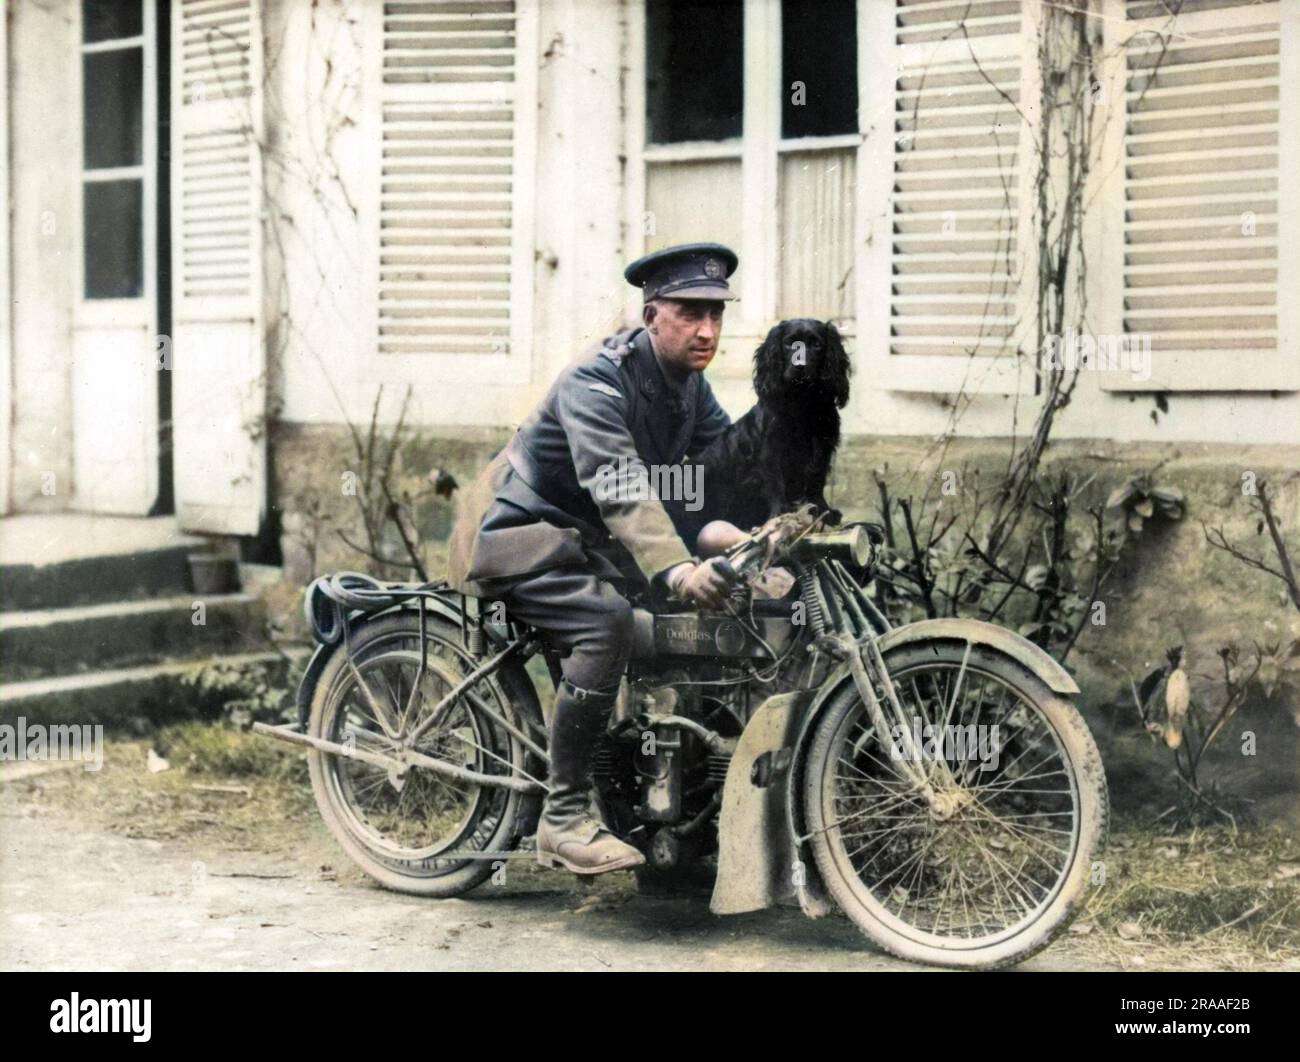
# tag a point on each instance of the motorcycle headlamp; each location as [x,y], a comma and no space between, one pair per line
[850,545]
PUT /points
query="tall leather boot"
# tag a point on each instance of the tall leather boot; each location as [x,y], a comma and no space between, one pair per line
[570,832]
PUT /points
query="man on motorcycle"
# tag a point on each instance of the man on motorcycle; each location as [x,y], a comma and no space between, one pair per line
[542,532]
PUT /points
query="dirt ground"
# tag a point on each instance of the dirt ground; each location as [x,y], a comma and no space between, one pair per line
[225,865]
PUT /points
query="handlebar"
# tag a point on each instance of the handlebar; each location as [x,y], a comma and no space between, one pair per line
[790,536]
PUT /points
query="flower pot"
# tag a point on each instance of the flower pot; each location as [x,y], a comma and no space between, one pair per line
[213,574]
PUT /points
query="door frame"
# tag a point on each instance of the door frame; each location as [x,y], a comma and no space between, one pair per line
[116,451]
[6,290]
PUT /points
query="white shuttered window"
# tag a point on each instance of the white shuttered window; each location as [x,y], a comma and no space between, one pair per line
[948,195]
[1201,237]
[453,234]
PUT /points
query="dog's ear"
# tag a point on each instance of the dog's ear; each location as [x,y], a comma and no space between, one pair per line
[836,367]
[768,369]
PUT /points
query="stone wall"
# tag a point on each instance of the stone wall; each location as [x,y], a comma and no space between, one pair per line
[315,468]
[1171,588]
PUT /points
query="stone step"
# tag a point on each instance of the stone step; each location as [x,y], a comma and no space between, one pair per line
[64,641]
[156,693]
[63,559]
[92,580]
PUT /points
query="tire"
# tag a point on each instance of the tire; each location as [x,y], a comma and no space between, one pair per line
[982,825]
[380,836]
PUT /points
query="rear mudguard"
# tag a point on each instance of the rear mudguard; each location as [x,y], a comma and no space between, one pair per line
[444,606]
[763,828]
[307,684]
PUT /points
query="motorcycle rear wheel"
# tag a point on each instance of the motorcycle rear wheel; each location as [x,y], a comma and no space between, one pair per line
[407,837]
[997,868]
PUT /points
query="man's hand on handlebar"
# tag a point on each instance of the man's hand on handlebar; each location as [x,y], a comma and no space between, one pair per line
[717,537]
[705,584]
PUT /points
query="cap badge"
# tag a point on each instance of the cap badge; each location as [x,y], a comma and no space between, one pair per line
[712,268]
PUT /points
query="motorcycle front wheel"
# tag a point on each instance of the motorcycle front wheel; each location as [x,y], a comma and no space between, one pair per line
[990,860]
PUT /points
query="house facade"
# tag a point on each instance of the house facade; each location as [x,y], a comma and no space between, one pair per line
[231,215]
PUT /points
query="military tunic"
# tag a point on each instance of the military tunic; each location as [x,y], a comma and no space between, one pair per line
[540,529]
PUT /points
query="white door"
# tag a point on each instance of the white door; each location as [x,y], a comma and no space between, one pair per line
[218,358]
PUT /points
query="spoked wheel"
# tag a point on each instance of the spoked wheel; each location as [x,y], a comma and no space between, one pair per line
[971,845]
[414,830]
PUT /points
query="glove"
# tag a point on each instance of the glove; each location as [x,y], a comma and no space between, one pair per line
[703,584]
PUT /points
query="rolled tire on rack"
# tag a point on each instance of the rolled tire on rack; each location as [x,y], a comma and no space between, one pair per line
[996,867]
[397,829]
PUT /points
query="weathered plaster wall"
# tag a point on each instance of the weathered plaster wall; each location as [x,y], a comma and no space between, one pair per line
[580,288]
[1172,588]
[45,144]
[6,302]
[329,364]
[321,123]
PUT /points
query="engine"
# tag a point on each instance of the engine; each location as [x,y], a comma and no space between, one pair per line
[661,767]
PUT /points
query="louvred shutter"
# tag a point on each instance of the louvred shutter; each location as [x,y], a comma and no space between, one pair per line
[219,386]
[1202,232]
[951,245]
[454,248]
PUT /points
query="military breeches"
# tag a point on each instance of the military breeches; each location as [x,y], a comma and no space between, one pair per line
[580,614]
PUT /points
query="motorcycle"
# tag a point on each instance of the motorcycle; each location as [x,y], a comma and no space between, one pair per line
[934,780]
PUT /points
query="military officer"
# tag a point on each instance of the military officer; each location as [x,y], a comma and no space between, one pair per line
[542,531]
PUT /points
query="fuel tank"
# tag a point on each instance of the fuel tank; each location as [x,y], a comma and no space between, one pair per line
[693,634]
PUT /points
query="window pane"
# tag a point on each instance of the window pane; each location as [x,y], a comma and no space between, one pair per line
[114,238]
[819,48]
[815,212]
[690,202]
[106,20]
[694,75]
[113,103]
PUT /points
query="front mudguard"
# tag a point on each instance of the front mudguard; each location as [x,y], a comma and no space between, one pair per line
[989,635]
[757,848]
[763,827]
[937,631]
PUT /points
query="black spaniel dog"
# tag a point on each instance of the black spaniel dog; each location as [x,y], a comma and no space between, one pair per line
[778,455]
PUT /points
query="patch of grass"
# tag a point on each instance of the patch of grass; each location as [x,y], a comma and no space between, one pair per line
[218,751]
[223,787]
[1240,891]
[1182,912]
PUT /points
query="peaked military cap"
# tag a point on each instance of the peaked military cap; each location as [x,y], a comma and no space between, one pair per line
[687,271]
